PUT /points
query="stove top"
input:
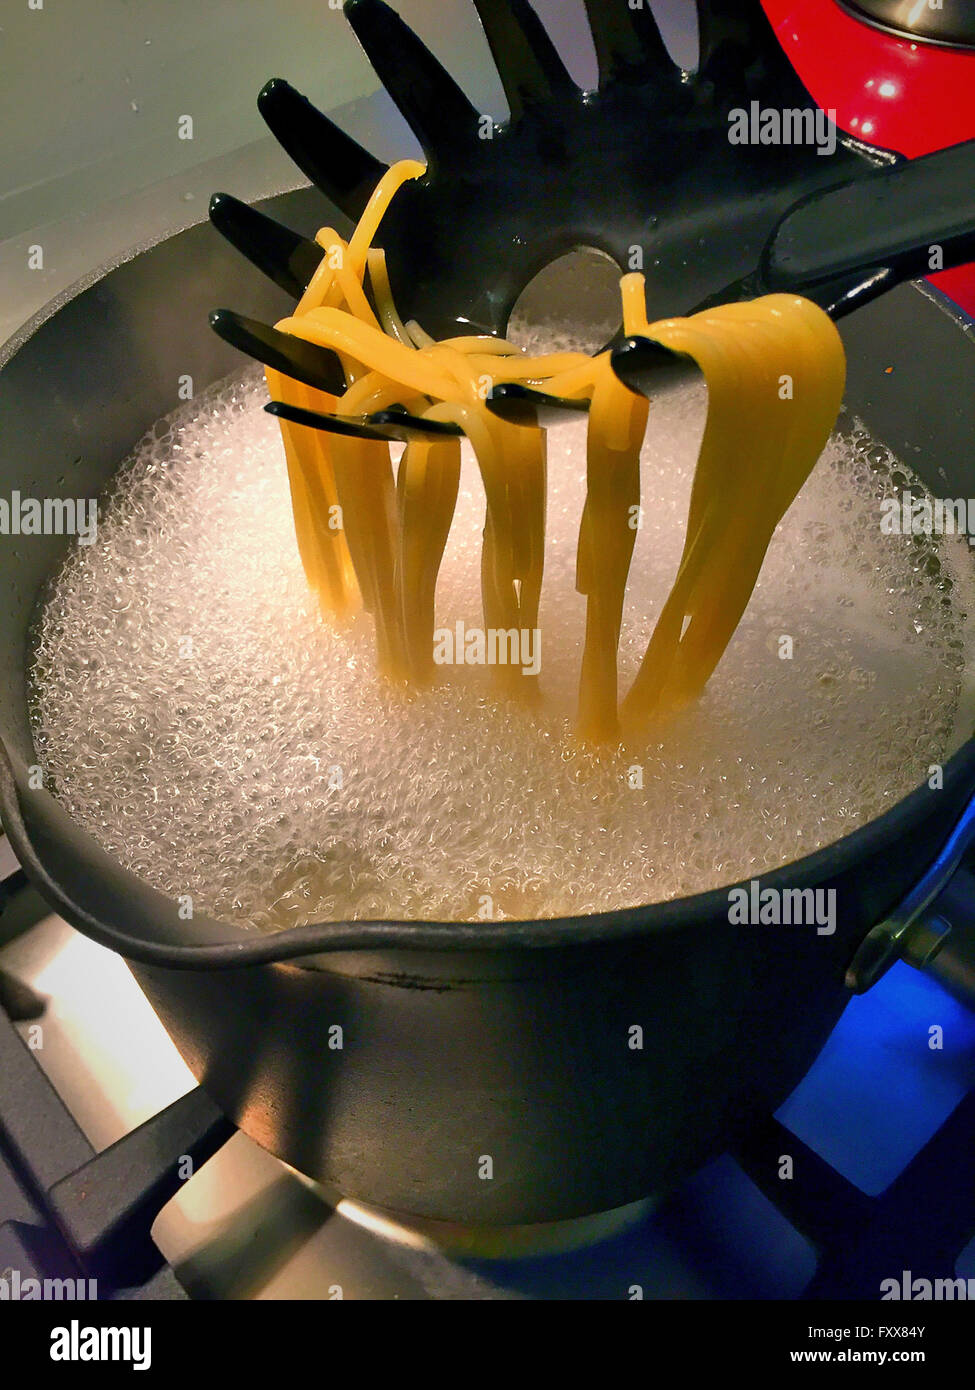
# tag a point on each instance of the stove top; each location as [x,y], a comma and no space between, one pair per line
[115,1166]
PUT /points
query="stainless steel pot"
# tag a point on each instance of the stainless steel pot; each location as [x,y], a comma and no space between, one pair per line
[460,1043]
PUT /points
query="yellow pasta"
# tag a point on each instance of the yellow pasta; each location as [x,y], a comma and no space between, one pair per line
[775,373]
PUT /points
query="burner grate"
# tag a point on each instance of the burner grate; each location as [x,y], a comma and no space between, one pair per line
[69,1213]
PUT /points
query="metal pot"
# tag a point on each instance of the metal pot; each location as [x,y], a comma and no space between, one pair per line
[510,1042]
[950,22]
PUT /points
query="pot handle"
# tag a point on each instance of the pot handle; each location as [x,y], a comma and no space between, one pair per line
[933,928]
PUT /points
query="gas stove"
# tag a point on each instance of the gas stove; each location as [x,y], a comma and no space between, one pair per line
[115,1167]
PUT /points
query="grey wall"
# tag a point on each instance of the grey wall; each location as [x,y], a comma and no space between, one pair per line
[92,89]
[91,92]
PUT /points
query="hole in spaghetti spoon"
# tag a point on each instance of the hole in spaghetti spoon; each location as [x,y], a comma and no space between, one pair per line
[576,296]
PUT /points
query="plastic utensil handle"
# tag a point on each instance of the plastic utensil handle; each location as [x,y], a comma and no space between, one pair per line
[895,217]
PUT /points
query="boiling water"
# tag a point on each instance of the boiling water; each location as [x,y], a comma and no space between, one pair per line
[196,715]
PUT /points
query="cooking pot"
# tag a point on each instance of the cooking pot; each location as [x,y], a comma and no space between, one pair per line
[949,22]
[490,1073]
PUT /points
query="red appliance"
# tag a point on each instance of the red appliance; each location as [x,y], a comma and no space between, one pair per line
[908,96]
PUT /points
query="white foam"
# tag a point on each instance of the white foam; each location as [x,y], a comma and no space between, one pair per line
[207,765]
